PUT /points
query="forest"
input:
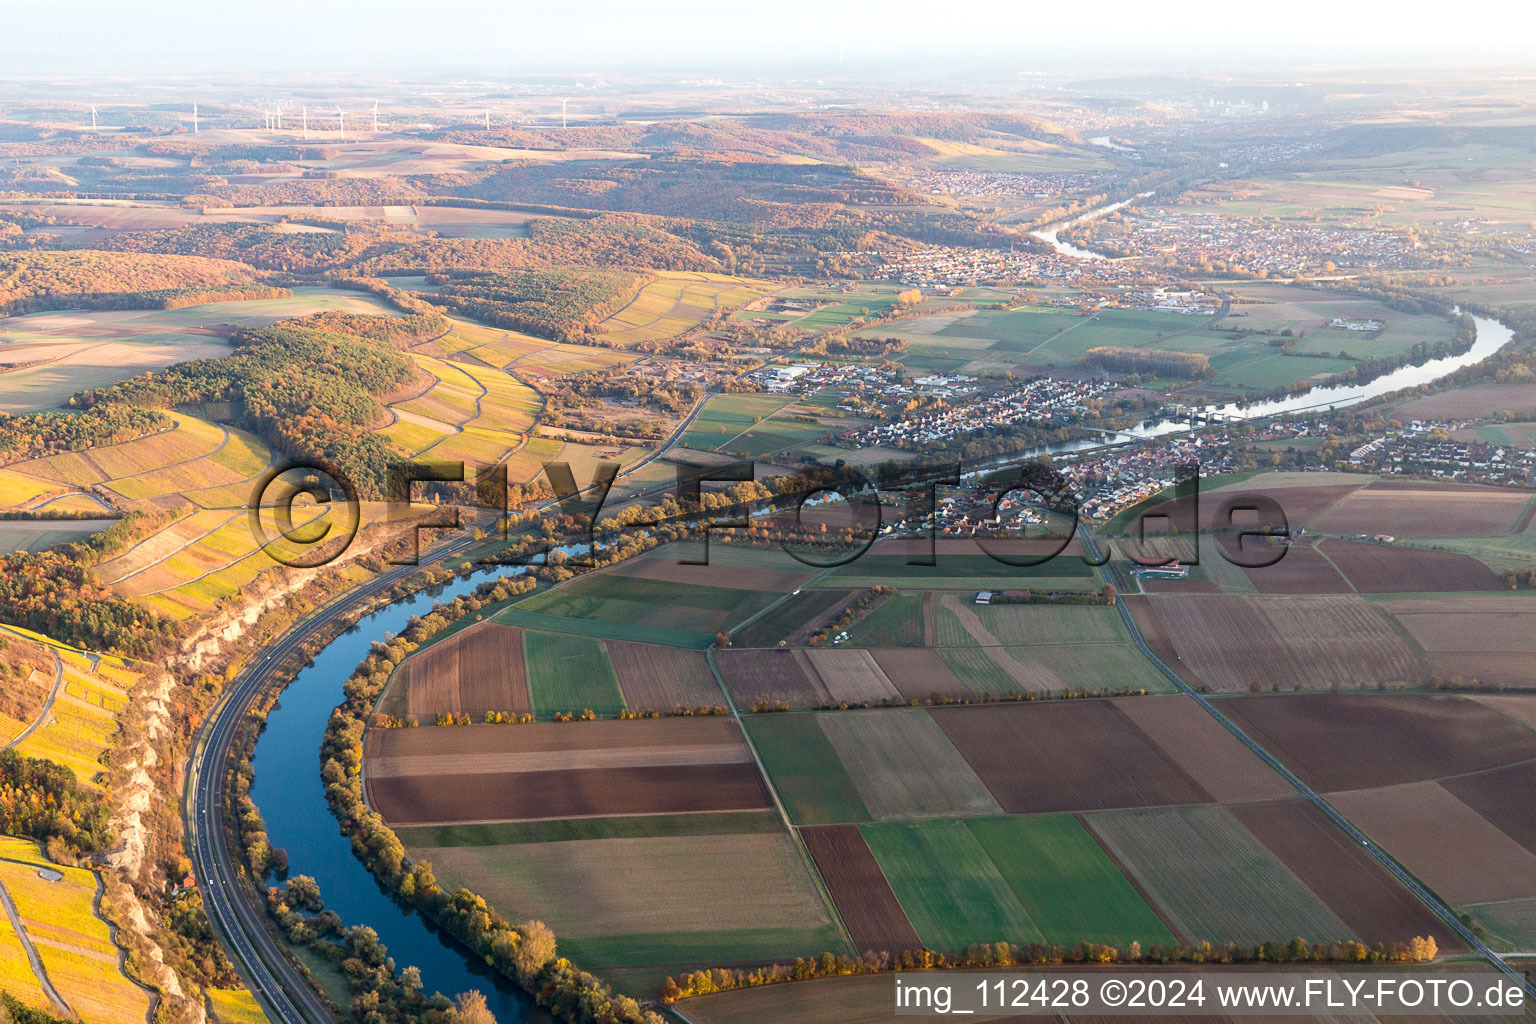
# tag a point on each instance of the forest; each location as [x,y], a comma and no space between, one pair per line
[562,305]
[1183,365]
[37,279]
[312,394]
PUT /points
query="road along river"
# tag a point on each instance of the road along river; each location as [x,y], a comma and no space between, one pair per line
[291,797]
[289,792]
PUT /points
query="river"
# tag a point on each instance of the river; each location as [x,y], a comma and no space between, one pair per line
[1049,234]
[291,797]
[289,792]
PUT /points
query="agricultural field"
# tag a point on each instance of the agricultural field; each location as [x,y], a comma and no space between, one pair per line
[75,723]
[1003,648]
[1346,742]
[521,355]
[1472,403]
[1241,346]
[59,353]
[863,897]
[1353,885]
[1483,636]
[904,766]
[638,603]
[1065,756]
[1289,642]
[951,890]
[805,769]
[674,304]
[658,678]
[1410,509]
[569,674]
[444,775]
[1072,891]
[670,900]
[470,413]
[56,905]
[751,425]
[1212,879]
[774,675]
[473,671]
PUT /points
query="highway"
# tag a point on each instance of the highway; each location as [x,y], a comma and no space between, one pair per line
[242,924]
[1402,874]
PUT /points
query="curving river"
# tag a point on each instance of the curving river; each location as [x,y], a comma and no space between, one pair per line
[292,800]
[291,797]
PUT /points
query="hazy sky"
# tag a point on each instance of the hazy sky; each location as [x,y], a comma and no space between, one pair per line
[166,36]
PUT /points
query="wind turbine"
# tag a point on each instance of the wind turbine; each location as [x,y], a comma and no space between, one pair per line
[341,120]
[306,120]
[194,119]
[375,115]
[279,112]
[93,115]
[487,119]
[563,102]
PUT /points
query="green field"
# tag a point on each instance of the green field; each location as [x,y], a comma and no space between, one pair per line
[725,417]
[569,673]
[1024,624]
[976,669]
[517,616]
[1070,888]
[635,601]
[1212,880]
[956,572]
[804,768]
[896,621]
[1512,921]
[952,892]
[783,621]
[1240,349]
[638,826]
[904,766]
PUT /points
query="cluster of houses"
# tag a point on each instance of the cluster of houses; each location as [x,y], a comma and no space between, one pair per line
[1426,449]
[1110,482]
[947,266]
[1005,183]
[1040,400]
[1261,245]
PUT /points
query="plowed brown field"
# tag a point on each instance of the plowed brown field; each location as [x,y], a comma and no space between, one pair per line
[1343,741]
[752,676]
[1065,756]
[1424,511]
[1455,850]
[918,672]
[1385,569]
[448,798]
[863,897]
[655,678]
[1203,748]
[1371,902]
[477,670]
[1235,642]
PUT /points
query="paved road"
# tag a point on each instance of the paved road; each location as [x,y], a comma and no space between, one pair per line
[242,925]
[26,944]
[53,695]
[1402,874]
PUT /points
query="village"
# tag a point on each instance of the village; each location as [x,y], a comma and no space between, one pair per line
[1258,245]
[1428,449]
